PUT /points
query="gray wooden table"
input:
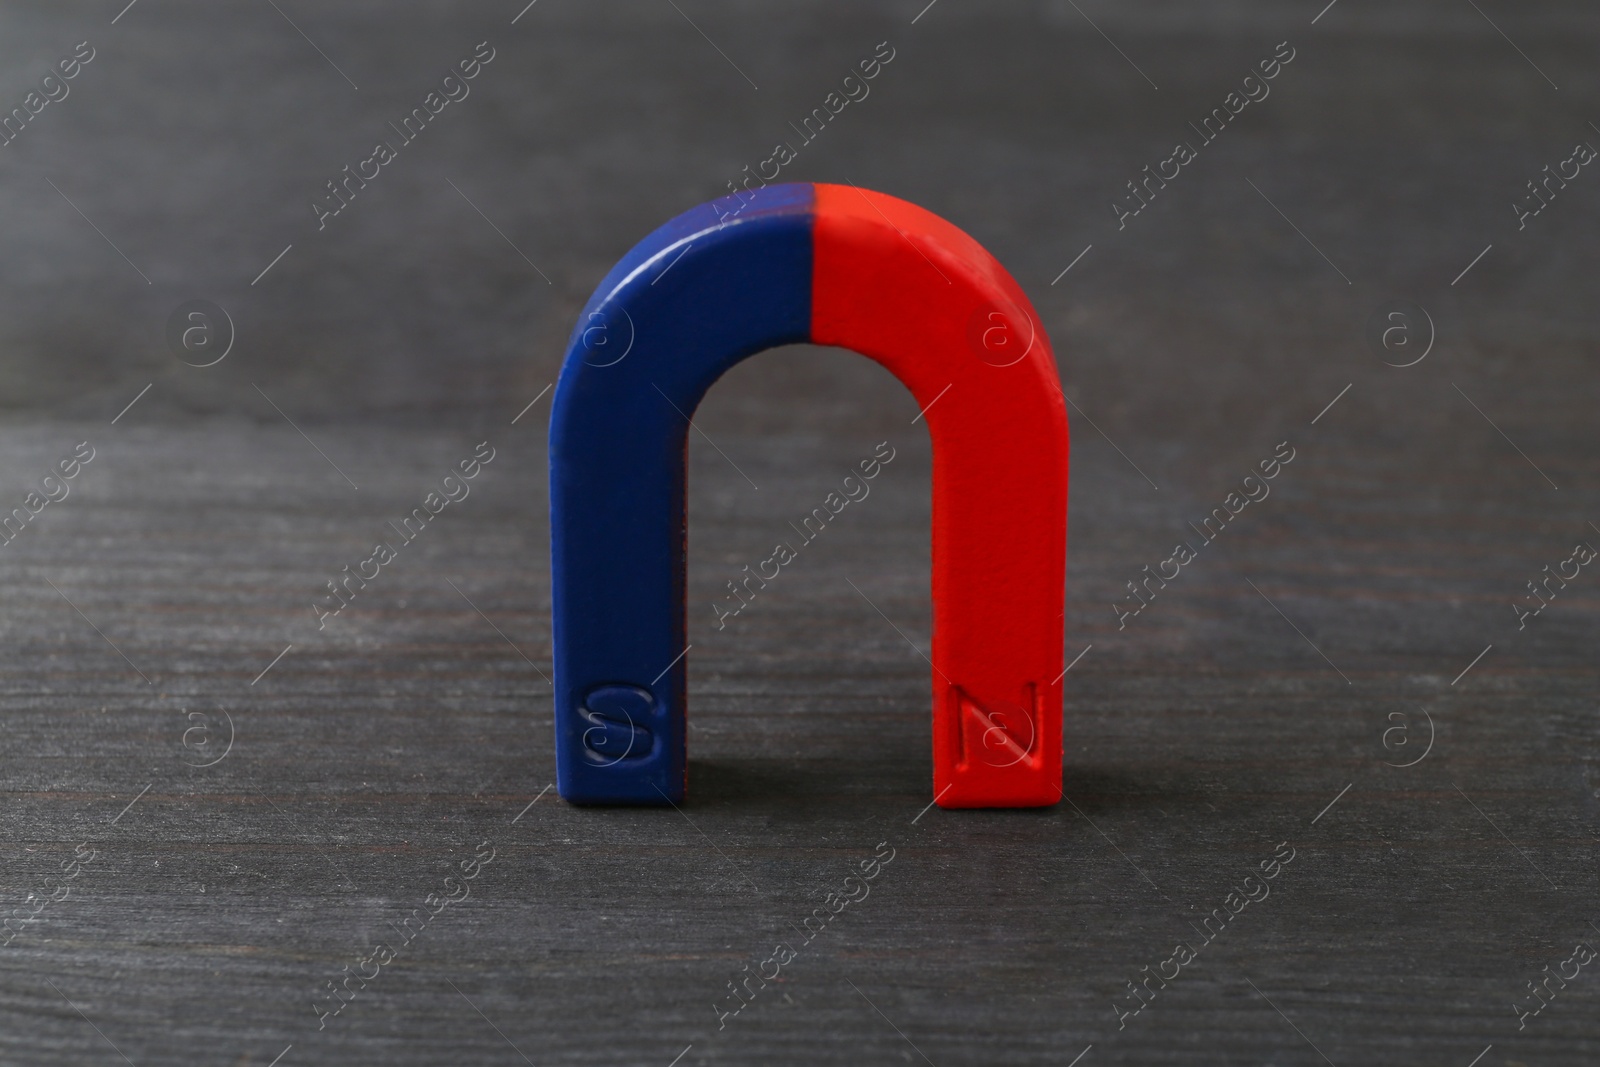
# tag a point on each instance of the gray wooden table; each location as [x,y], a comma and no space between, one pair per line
[1326,801]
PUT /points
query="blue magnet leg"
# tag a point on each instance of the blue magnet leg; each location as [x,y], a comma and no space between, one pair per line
[713,286]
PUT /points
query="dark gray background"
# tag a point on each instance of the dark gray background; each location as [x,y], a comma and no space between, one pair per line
[378,752]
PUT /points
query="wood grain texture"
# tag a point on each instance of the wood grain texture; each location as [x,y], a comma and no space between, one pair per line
[373,757]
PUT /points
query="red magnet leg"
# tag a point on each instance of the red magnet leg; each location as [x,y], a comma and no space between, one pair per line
[908,289]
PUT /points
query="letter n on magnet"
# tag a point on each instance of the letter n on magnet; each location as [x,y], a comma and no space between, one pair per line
[998,734]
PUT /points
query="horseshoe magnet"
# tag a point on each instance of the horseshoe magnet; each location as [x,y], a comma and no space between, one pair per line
[828,265]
